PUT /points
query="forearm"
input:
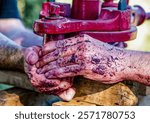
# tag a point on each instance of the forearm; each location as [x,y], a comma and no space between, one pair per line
[136,66]
[11,55]
[15,30]
[16,79]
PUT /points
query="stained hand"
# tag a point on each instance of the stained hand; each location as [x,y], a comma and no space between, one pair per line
[60,87]
[81,55]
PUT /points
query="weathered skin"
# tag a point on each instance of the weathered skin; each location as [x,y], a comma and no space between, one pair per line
[60,87]
[88,57]
[12,57]
[49,67]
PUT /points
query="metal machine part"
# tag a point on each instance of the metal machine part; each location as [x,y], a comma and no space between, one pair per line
[106,21]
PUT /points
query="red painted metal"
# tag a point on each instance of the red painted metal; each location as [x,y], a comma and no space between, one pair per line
[148,15]
[86,9]
[102,21]
[50,9]
[139,15]
[113,36]
[119,21]
[109,3]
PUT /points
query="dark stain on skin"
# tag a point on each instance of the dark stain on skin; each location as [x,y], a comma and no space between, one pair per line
[110,49]
[112,74]
[122,69]
[100,70]
[148,79]
[56,53]
[95,60]
[73,58]
[109,64]
[87,41]
[141,77]
[73,69]
[116,58]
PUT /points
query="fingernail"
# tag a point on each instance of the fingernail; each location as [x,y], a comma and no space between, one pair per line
[32,58]
[40,53]
[70,94]
[67,95]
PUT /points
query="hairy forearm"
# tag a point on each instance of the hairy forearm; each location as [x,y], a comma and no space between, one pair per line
[137,67]
[125,65]
[11,55]
[16,79]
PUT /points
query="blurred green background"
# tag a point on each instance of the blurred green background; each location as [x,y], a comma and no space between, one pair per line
[29,10]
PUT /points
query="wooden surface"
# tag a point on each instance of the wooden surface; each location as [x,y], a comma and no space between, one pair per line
[103,95]
[73,102]
[23,97]
[88,93]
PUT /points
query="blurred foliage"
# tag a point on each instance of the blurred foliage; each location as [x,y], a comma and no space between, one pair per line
[29,10]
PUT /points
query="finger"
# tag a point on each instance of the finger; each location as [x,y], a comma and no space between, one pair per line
[47,67]
[63,72]
[59,53]
[48,47]
[51,46]
[55,90]
[31,55]
[49,83]
[68,94]
[62,62]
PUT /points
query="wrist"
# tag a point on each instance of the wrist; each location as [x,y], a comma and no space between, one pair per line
[137,67]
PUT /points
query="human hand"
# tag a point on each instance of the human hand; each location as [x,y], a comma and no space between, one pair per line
[81,55]
[60,87]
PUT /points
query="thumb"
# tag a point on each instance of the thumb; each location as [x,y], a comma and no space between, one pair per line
[32,55]
[68,94]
